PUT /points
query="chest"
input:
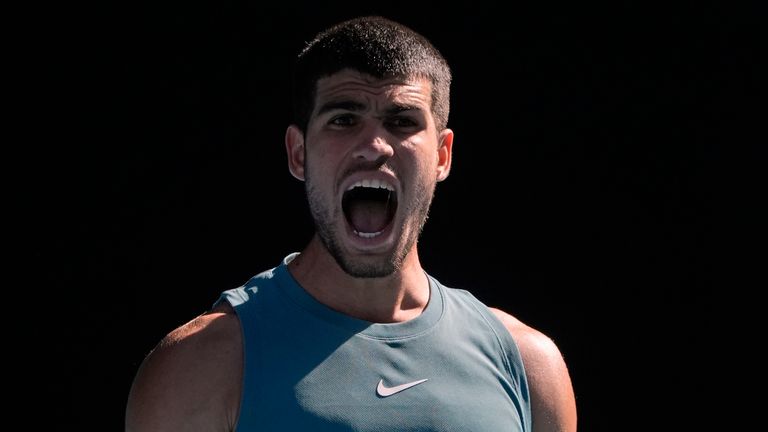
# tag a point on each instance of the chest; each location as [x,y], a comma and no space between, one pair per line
[445,381]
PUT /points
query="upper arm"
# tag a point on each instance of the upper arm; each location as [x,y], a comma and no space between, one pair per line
[191,381]
[553,405]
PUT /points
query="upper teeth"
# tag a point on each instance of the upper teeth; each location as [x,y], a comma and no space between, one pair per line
[373,184]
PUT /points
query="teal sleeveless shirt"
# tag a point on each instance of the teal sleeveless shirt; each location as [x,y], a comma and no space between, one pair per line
[455,367]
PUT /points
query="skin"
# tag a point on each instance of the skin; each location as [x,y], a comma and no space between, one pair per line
[193,379]
[369,142]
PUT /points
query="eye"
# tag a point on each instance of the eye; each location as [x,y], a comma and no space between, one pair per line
[343,120]
[401,122]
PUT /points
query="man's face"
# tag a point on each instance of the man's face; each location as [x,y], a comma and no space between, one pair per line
[372,159]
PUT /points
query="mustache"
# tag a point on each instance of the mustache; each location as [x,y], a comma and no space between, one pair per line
[374,166]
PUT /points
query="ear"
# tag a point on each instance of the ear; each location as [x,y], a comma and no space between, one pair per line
[294,146]
[444,152]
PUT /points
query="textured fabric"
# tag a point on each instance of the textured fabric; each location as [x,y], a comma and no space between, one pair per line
[310,368]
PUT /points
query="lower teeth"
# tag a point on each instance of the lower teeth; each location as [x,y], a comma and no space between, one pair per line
[367,235]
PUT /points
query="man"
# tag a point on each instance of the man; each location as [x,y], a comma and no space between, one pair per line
[351,333]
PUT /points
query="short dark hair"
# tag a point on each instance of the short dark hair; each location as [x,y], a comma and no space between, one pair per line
[375,46]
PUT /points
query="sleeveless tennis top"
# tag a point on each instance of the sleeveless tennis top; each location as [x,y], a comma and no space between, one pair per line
[455,367]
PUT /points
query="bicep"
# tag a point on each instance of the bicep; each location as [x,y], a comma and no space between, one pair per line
[157,398]
[553,405]
[188,383]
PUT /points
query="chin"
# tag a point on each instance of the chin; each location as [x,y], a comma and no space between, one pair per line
[361,270]
[364,262]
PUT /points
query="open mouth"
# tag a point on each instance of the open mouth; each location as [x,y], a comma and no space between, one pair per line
[369,207]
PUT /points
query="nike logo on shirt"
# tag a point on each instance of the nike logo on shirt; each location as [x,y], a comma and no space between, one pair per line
[385,391]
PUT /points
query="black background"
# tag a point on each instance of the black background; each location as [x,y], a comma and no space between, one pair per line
[578,199]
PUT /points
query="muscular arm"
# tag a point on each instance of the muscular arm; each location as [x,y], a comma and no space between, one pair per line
[191,381]
[553,405]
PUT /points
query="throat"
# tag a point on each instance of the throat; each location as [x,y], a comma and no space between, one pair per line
[368,216]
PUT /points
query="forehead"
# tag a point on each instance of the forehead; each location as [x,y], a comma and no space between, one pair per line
[352,85]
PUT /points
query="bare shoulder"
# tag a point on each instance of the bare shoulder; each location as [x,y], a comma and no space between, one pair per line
[553,403]
[191,380]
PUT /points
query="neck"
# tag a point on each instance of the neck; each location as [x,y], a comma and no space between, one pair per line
[399,297]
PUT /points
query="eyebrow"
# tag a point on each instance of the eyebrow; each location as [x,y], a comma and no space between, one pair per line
[349,105]
[399,108]
[345,105]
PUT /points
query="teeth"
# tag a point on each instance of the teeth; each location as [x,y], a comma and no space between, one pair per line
[376,184]
[367,235]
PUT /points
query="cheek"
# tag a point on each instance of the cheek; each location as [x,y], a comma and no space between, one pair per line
[321,171]
[425,162]
[326,170]
[317,159]
[422,149]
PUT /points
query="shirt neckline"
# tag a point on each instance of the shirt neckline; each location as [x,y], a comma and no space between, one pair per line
[390,331]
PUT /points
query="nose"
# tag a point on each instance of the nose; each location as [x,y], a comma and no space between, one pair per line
[374,146]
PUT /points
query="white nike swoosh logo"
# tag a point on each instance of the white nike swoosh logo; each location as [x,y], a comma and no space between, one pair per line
[385,391]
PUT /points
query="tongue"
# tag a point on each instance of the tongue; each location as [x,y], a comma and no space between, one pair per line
[368,216]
